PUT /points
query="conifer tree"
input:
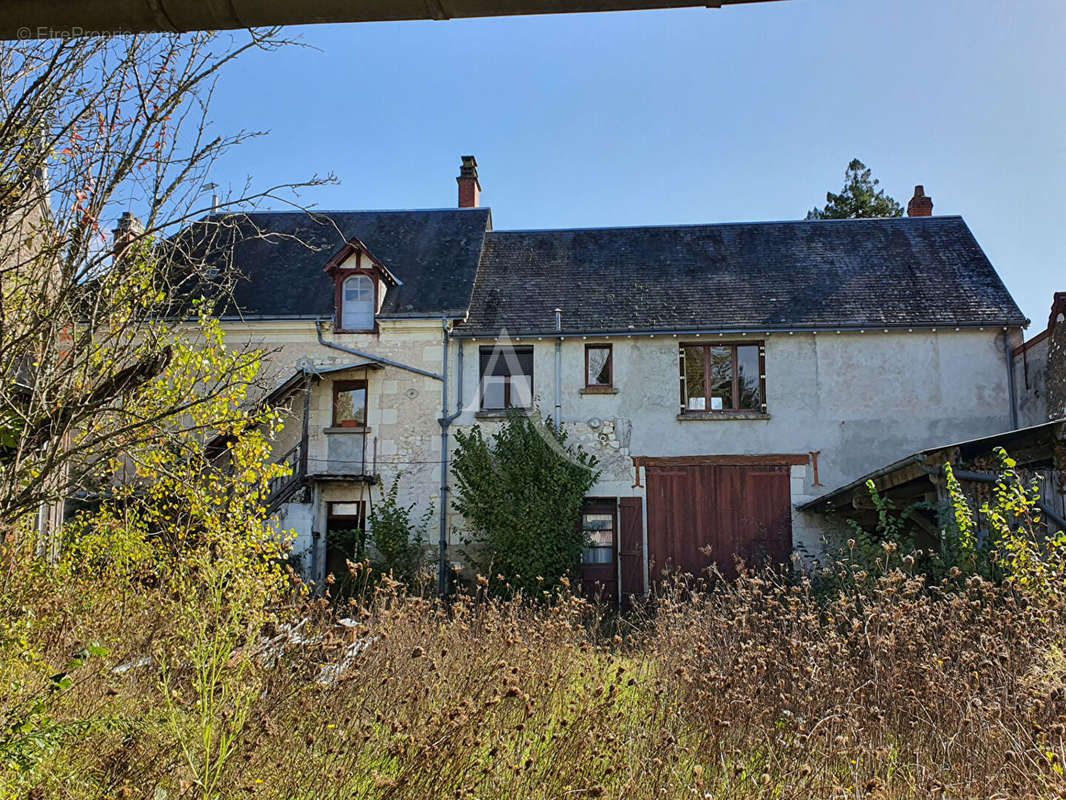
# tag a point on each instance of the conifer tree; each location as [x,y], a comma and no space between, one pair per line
[859,198]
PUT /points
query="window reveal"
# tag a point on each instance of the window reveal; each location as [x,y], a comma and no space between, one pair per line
[506,377]
[727,377]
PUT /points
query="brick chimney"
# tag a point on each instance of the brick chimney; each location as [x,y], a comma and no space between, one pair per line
[920,205]
[129,230]
[469,186]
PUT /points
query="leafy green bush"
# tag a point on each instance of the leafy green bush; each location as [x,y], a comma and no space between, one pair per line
[521,491]
[399,541]
[1005,539]
[29,734]
[1032,558]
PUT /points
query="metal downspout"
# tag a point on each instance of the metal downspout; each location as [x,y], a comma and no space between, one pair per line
[1010,379]
[459,387]
[445,421]
[316,536]
[306,429]
[558,371]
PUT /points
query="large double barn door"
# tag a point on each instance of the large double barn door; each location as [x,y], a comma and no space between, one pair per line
[704,514]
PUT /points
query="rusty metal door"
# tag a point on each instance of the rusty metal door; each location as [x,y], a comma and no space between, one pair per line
[705,514]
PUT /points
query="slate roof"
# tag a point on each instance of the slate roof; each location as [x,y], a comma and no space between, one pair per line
[910,271]
[282,255]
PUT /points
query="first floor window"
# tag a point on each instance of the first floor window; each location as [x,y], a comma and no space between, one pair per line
[349,404]
[598,528]
[722,377]
[506,377]
[598,366]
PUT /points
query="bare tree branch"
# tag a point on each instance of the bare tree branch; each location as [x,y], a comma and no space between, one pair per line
[91,131]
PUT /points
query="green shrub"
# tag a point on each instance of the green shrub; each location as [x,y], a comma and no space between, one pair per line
[399,540]
[1003,540]
[521,492]
[1031,556]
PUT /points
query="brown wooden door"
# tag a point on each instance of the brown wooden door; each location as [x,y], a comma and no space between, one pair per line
[699,515]
[631,547]
[599,564]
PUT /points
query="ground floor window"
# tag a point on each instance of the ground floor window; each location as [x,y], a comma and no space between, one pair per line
[598,527]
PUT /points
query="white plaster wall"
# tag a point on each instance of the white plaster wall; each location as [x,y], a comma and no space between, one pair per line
[1030,384]
[863,400]
[297,517]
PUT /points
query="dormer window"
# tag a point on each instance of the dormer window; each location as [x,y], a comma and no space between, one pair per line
[357,303]
[360,283]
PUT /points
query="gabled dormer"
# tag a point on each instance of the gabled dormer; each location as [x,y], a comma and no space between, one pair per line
[360,281]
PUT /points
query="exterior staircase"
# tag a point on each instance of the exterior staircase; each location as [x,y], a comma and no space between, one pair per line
[282,488]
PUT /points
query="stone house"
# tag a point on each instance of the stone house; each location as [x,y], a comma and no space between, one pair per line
[354,310]
[724,374]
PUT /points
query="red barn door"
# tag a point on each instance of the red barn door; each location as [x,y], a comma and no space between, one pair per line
[704,514]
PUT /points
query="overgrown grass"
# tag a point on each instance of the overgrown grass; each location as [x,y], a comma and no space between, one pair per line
[755,689]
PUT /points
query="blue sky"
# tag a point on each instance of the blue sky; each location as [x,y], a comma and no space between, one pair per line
[694,115]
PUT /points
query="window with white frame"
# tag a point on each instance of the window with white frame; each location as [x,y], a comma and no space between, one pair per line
[357,303]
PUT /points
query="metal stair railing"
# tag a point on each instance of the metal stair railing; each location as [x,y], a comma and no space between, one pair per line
[282,488]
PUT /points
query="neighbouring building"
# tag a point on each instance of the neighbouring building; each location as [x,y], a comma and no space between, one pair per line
[28,277]
[354,309]
[1040,370]
[725,375]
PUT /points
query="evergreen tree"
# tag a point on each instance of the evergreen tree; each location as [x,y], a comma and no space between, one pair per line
[860,197]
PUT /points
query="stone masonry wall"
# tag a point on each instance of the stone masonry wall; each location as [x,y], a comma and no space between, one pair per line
[1056,359]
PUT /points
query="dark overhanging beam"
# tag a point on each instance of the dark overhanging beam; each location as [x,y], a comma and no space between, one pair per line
[25,19]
